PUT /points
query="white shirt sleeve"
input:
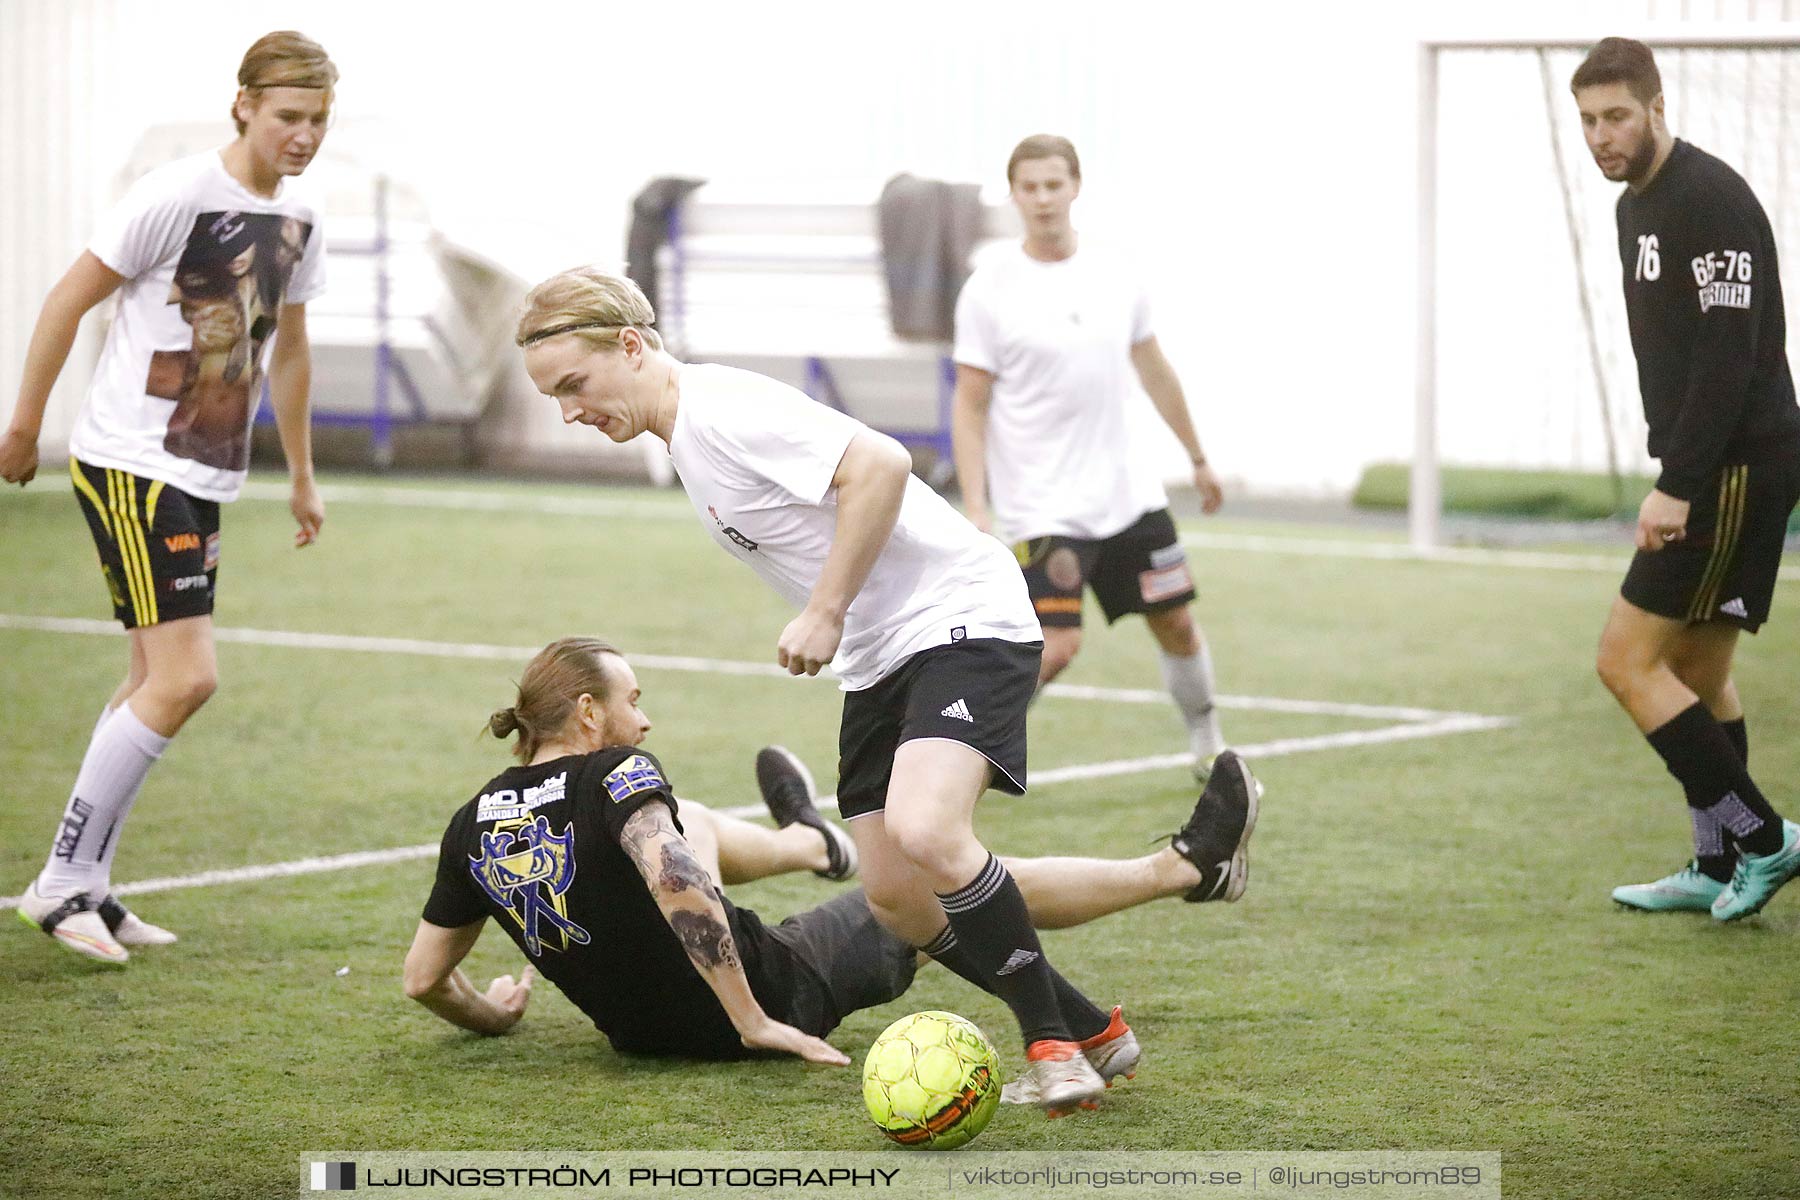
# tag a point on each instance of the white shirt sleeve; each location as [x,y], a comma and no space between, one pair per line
[308,279]
[1141,330]
[149,225]
[790,440]
[975,334]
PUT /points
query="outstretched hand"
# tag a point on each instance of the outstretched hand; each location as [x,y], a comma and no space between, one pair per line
[773,1035]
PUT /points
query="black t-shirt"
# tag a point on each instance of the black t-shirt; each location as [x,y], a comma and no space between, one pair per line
[538,850]
[1703,293]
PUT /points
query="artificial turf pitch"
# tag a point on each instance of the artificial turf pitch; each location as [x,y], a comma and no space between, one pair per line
[1427,957]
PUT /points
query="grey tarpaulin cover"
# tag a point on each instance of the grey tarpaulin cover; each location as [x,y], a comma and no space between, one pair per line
[928,228]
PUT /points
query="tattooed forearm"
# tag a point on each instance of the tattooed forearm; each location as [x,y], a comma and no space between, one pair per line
[705,938]
[681,870]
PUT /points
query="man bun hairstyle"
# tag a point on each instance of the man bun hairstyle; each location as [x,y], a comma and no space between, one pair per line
[554,680]
[594,305]
[284,59]
[1043,145]
[1620,60]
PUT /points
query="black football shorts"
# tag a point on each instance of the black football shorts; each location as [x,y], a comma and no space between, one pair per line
[975,692]
[1725,568]
[1140,569]
[159,546]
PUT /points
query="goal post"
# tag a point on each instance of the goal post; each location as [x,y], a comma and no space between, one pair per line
[1523,359]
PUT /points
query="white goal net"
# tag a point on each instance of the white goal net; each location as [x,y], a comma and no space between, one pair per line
[1525,358]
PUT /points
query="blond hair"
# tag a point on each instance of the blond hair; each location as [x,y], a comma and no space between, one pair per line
[284,59]
[594,305]
[554,680]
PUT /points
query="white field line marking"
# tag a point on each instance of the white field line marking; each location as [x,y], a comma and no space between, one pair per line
[1055,775]
[471,500]
[667,662]
[1402,552]
[673,509]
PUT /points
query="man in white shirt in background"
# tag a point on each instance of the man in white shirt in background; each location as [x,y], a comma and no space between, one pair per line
[1048,335]
[209,255]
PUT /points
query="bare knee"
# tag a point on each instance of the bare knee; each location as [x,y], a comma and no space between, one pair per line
[1060,648]
[1618,668]
[187,689]
[930,846]
[1175,631]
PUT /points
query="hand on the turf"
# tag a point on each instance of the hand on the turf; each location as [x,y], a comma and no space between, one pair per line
[18,457]
[808,642]
[1661,519]
[511,996]
[773,1035]
[308,508]
[1207,484]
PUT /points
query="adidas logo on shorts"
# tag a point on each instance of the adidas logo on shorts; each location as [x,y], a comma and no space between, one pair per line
[960,711]
[1735,608]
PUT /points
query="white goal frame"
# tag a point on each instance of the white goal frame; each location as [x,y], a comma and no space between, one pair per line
[1425,496]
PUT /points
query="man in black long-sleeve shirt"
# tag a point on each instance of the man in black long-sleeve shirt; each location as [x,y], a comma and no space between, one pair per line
[1703,292]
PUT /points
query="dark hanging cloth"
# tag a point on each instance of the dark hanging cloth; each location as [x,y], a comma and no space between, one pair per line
[928,227]
[650,211]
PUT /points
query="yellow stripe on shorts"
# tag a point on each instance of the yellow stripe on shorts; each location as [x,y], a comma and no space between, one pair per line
[132,548]
[1733,491]
[87,489]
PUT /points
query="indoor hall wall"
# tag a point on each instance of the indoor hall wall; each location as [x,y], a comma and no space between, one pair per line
[1257,158]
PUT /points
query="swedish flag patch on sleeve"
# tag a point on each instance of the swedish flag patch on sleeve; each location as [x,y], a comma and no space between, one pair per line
[636,774]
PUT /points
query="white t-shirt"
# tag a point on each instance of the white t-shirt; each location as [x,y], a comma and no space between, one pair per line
[208,265]
[756,457]
[1057,338]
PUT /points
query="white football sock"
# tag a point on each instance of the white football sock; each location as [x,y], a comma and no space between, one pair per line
[119,756]
[1190,681]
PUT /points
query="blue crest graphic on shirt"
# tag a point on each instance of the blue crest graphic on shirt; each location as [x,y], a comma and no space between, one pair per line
[636,774]
[526,869]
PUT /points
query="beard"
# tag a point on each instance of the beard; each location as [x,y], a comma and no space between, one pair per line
[1637,166]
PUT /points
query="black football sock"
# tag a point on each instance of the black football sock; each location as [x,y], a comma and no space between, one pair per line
[1698,753]
[993,927]
[1084,1017]
[1740,738]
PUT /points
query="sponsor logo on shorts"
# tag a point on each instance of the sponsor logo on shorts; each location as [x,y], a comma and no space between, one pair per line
[1063,568]
[960,710]
[1735,608]
[186,583]
[1164,583]
[212,552]
[1168,555]
[182,542]
[112,585]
